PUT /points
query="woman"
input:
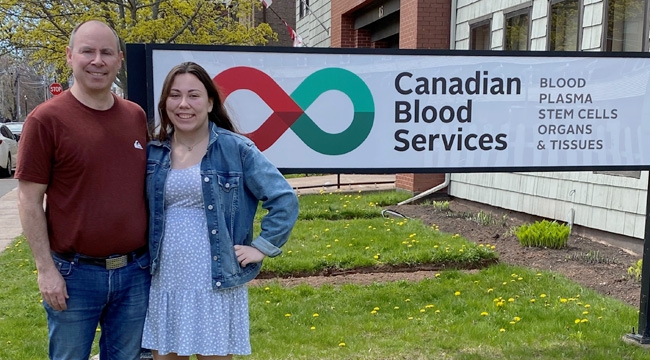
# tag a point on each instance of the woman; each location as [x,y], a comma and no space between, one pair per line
[204,182]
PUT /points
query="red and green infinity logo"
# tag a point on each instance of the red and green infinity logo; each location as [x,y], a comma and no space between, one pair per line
[289,110]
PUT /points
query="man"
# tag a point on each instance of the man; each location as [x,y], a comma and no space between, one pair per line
[85,150]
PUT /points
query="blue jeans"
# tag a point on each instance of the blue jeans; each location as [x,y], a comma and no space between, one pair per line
[115,299]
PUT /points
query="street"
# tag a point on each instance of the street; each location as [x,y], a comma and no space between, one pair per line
[7,184]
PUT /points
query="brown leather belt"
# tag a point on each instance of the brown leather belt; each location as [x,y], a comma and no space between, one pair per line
[109,263]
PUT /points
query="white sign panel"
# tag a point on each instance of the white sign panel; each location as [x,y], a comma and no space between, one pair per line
[406,111]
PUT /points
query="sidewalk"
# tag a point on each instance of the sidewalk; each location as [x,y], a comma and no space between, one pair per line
[10,226]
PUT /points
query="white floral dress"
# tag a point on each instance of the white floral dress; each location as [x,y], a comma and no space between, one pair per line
[186,316]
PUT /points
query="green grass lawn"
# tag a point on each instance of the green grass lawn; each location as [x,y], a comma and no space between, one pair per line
[495,312]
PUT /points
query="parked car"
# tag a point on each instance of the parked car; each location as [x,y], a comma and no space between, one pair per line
[8,151]
[16,128]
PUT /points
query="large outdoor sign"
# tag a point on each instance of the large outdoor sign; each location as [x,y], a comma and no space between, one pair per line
[329,109]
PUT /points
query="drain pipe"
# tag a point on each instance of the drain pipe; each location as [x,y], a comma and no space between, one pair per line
[430,191]
[452,25]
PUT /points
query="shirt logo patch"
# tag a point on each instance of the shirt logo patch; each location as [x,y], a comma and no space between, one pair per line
[137,145]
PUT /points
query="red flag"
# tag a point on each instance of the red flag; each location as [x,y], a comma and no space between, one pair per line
[297,40]
[267,3]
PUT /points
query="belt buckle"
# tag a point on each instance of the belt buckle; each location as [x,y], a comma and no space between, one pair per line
[116,262]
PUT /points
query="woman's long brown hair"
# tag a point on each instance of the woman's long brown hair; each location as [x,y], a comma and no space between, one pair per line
[218,114]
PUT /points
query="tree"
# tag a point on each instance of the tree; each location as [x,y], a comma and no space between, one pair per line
[43,27]
[21,88]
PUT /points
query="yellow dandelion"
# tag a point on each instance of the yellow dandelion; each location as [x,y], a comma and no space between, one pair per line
[328,246]
[517,318]
[268,302]
[312,328]
[577,321]
[430,306]
[563,300]
[585,313]
[511,300]
[542,295]
[502,330]
[584,320]
[457,293]
[376,308]
[587,306]
[287,315]
[342,344]
[532,300]
[437,311]
[437,275]
[315,315]
[374,312]
[407,300]
[512,323]
[422,310]
[490,290]
[484,313]
[396,308]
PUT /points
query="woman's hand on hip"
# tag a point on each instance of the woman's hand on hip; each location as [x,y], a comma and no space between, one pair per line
[248,255]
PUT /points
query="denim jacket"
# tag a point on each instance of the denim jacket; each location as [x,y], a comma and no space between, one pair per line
[236,176]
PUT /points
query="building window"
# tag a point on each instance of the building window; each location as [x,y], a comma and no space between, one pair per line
[563,26]
[303,8]
[479,36]
[625,25]
[517,30]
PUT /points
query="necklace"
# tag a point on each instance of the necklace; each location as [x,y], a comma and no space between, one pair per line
[189,147]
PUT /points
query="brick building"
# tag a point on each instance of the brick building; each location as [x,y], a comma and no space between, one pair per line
[278,10]
[405,24]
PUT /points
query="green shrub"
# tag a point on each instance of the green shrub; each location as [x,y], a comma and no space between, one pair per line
[441,205]
[546,234]
[635,270]
[485,218]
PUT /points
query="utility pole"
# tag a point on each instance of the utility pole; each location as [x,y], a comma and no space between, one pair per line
[17,95]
